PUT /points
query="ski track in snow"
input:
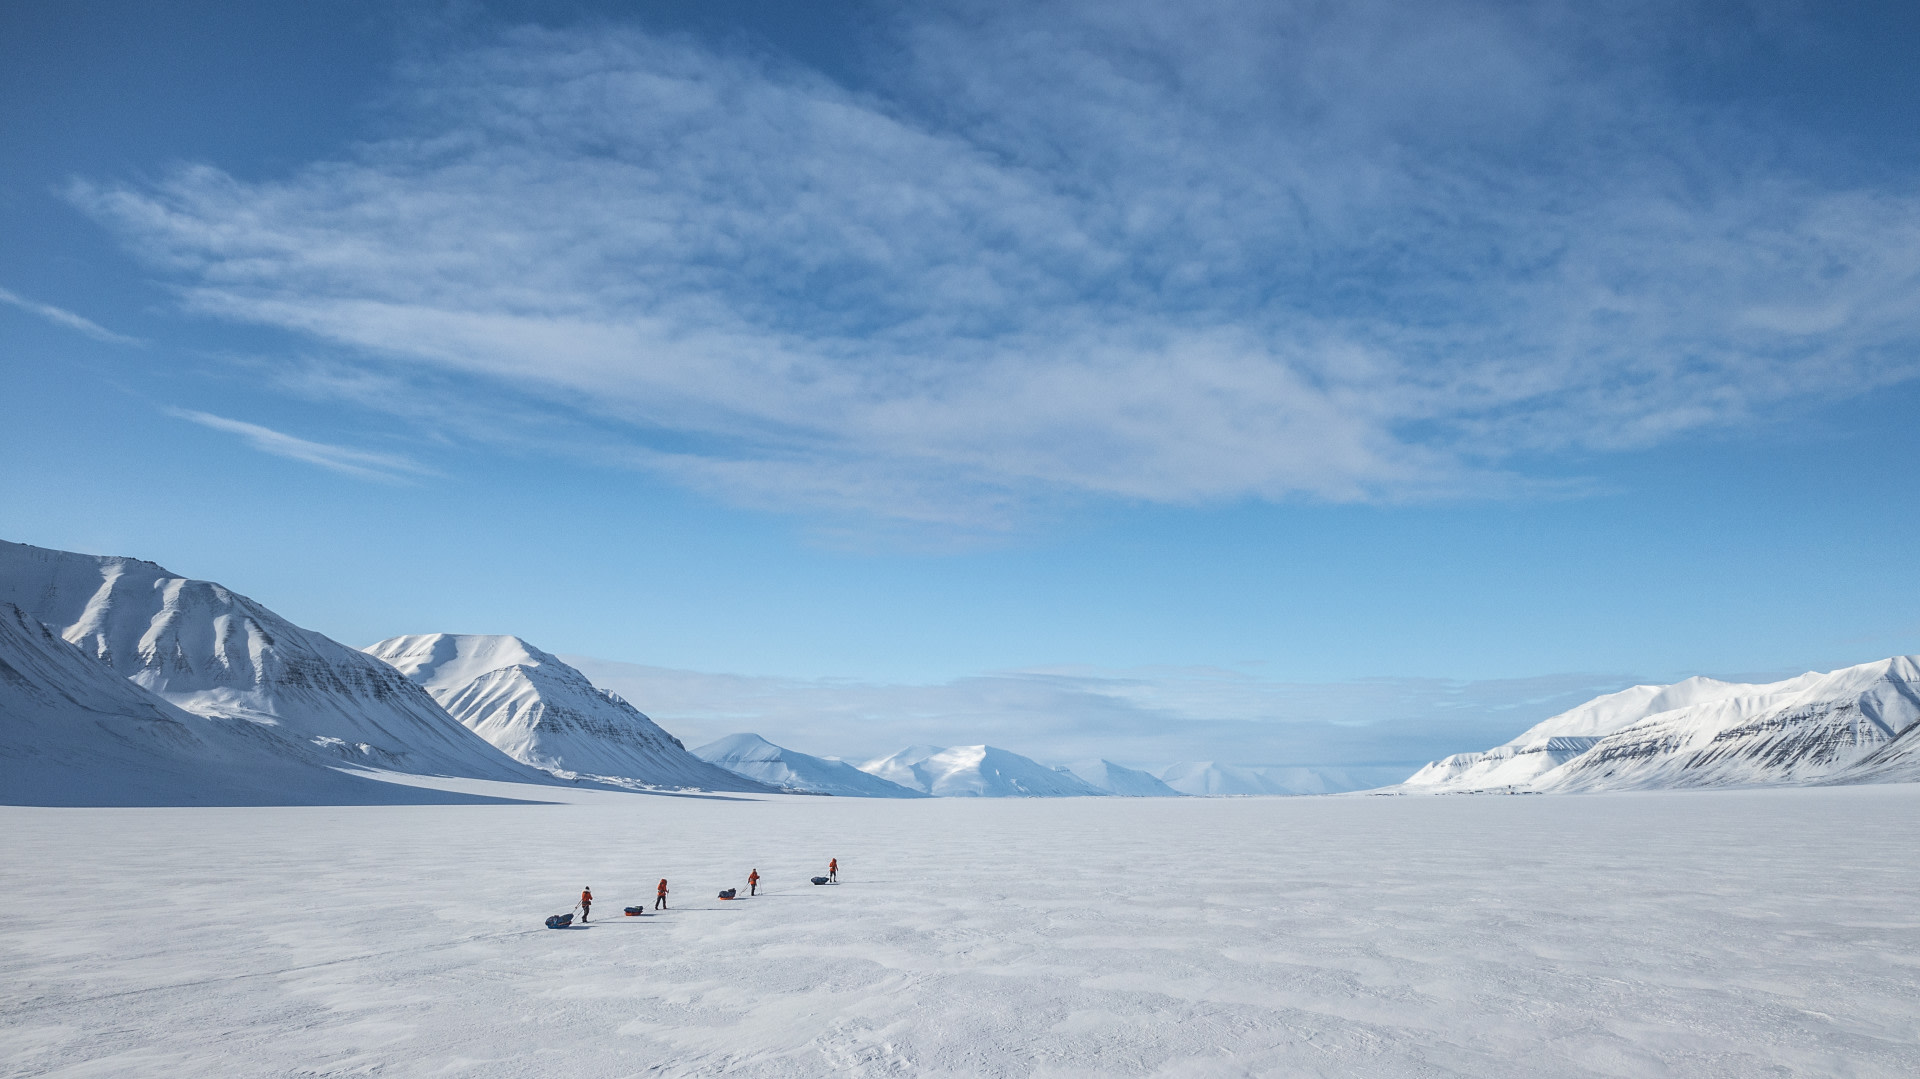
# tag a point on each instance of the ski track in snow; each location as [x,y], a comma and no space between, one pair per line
[1726,933]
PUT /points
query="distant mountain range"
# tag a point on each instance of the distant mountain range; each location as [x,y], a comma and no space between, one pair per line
[977,772]
[1856,724]
[124,684]
[756,758]
[1125,782]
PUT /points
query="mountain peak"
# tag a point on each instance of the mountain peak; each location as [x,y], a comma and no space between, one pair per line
[438,660]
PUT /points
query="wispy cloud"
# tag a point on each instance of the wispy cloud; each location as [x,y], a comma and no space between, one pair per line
[1145,718]
[365,464]
[63,317]
[1347,252]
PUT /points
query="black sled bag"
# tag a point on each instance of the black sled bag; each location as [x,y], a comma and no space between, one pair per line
[728,894]
[560,921]
[819,880]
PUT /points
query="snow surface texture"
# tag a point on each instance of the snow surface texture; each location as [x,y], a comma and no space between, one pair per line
[216,653]
[756,758]
[1126,782]
[977,772]
[541,712]
[1701,934]
[1842,725]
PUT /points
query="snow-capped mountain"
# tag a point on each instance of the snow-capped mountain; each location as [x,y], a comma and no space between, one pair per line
[1705,733]
[1126,782]
[74,733]
[543,713]
[1208,779]
[1214,780]
[977,772]
[216,653]
[1795,731]
[1553,742]
[756,758]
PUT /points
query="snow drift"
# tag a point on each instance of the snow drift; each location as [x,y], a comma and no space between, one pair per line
[215,653]
[977,772]
[543,713]
[756,758]
[1701,732]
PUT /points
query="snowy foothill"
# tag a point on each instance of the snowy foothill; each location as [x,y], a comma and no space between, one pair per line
[1725,933]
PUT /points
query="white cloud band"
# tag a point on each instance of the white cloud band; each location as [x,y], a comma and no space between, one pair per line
[1073,250]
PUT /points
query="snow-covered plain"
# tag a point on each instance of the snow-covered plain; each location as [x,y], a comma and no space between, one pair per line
[1727,933]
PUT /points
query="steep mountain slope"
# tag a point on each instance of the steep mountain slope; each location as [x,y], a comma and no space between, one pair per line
[74,733]
[1555,741]
[1797,731]
[756,758]
[977,772]
[1896,762]
[1126,782]
[1705,733]
[543,713]
[214,652]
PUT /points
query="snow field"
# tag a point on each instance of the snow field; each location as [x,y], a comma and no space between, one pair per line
[1727,933]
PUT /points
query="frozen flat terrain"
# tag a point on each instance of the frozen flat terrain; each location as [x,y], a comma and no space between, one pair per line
[1727,933]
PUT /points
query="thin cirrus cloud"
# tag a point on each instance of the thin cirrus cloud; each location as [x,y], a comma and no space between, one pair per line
[60,316]
[362,464]
[1354,253]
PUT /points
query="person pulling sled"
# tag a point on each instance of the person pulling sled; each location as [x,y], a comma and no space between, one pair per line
[660,895]
[833,870]
[586,903]
[753,883]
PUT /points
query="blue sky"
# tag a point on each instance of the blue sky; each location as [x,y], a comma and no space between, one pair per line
[1315,384]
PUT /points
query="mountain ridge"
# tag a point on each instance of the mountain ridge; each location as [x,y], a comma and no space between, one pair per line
[545,714]
[214,652]
[1811,728]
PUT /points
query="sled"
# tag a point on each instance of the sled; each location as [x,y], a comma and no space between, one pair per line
[560,921]
[635,912]
[820,880]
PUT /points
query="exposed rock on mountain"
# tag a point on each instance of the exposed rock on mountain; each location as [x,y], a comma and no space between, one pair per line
[216,653]
[74,733]
[543,713]
[1704,733]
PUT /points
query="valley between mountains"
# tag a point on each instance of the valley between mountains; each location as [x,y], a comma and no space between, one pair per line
[124,684]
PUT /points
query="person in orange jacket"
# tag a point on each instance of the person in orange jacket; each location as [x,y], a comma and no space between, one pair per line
[586,902]
[753,883]
[660,895]
[833,870]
